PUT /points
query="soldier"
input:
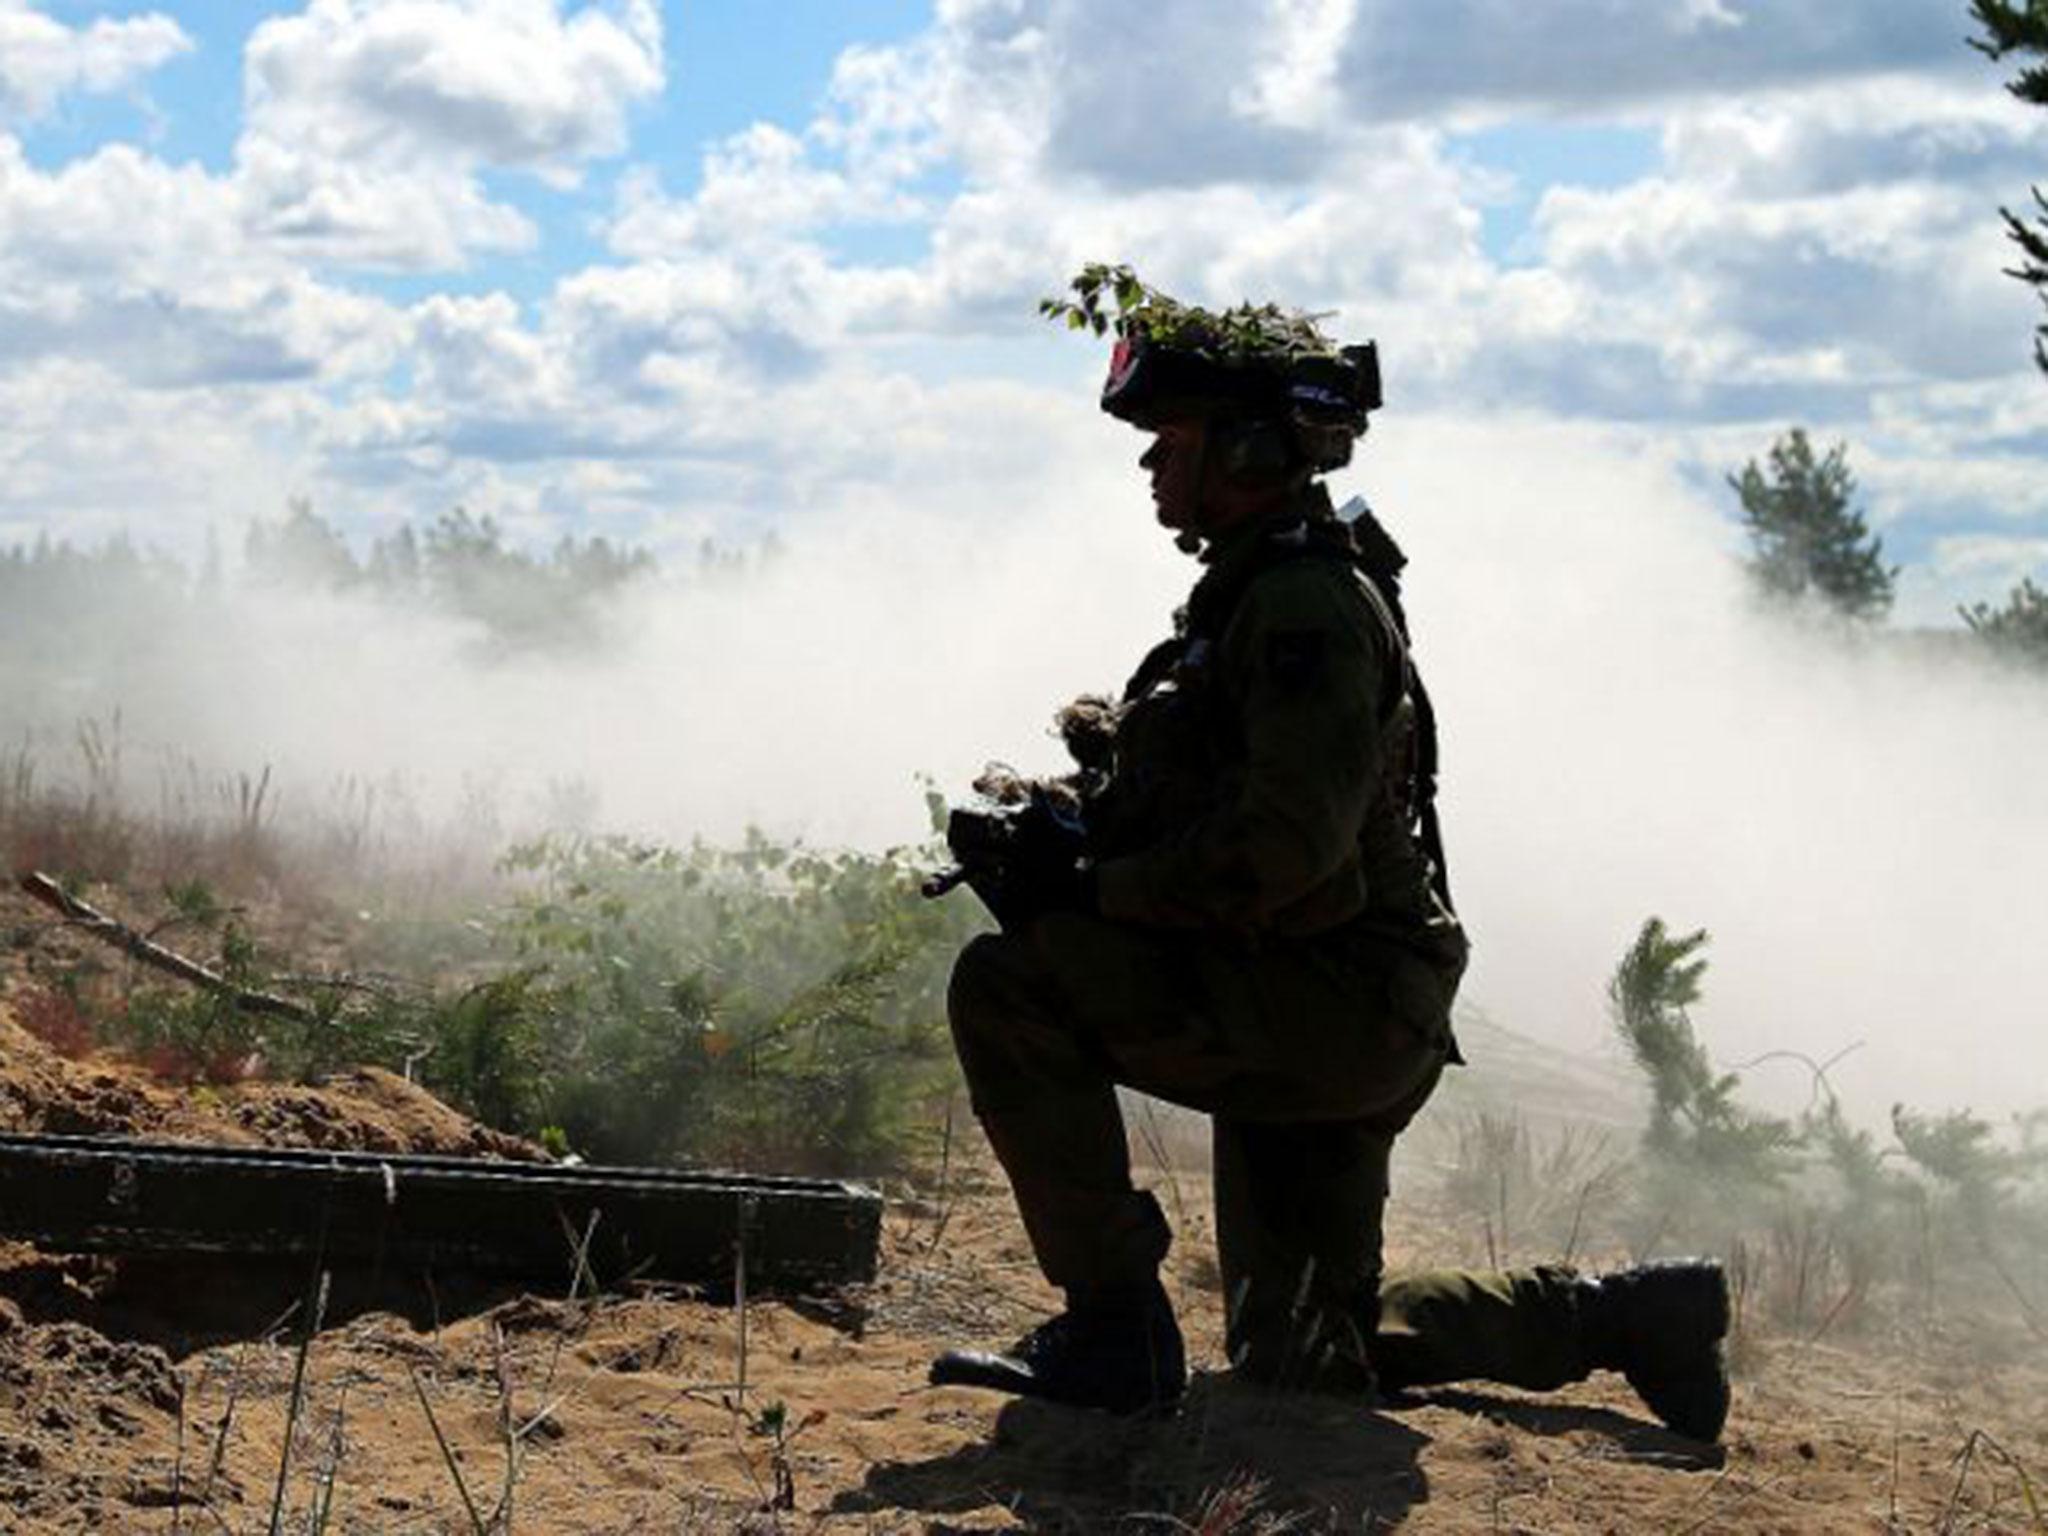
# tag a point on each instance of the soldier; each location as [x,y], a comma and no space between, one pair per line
[1239,906]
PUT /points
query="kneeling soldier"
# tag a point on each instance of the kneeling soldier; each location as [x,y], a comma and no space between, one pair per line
[1238,904]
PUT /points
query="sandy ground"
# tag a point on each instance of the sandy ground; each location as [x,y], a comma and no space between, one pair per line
[157,1397]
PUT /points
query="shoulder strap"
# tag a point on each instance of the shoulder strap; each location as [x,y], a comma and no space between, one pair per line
[1381,559]
[1158,664]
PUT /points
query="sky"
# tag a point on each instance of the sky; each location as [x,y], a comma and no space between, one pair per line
[711,268]
[658,270]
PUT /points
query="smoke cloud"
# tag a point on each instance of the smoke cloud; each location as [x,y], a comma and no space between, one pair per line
[1861,824]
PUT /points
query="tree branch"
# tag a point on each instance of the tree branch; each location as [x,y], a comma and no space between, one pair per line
[110,930]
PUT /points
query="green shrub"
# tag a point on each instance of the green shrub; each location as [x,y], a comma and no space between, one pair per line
[767,1005]
[1815,1216]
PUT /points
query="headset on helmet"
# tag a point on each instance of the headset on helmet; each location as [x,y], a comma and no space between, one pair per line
[1322,399]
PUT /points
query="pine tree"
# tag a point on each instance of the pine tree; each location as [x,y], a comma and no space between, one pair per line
[304,548]
[1695,1118]
[1806,537]
[2018,629]
[2011,27]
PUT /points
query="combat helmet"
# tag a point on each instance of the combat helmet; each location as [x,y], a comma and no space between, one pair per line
[1253,363]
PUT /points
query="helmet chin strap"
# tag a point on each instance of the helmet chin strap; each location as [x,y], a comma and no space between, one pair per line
[1189,540]
[1208,522]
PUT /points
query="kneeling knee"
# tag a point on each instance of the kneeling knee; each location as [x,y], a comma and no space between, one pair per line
[981,980]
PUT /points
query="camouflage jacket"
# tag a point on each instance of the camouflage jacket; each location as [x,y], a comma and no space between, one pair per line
[1263,763]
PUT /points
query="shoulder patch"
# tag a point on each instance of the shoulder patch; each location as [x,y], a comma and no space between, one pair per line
[1295,658]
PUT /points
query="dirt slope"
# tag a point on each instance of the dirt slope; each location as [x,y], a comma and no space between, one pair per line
[122,1410]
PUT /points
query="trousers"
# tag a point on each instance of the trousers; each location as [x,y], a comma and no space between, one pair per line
[1311,1055]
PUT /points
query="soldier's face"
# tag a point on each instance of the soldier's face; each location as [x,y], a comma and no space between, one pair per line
[1174,460]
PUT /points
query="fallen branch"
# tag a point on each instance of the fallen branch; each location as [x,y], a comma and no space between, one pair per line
[91,920]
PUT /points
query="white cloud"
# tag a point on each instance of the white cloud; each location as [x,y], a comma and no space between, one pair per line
[42,59]
[427,217]
[1825,255]
[1887,132]
[1191,92]
[486,82]
[1803,255]
[1870,286]
[121,259]
[1575,56]
[1294,63]
[1976,553]
[759,186]
[86,453]
[748,255]
[368,121]
[1162,96]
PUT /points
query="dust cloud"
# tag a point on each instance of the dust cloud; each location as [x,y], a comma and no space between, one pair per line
[1861,825]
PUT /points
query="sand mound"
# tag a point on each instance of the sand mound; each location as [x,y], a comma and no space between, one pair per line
[84,1418]
[366,1110]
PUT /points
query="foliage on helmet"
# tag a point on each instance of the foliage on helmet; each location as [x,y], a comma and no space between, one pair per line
[1249,334]
[1254,362]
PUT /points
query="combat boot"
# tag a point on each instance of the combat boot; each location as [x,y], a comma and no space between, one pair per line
[1661,1326]
[1322,1348]
[1117,1349]
[1333,1372]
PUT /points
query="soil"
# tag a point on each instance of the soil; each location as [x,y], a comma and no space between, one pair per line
[364,1110]
[157,1398]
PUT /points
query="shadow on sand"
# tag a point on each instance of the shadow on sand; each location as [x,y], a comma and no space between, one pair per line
[1065,1470]
[1331,1464]
[1633,1439]
[189,1302]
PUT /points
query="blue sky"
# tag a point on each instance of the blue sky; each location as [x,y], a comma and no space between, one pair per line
[508,250]
[1536,156]
[731,63]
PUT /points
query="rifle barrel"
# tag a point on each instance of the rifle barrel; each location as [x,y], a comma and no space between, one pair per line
[942,882]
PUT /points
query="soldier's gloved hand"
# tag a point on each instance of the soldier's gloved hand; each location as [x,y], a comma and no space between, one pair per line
[1049,881]
[1024,859]
[1047,868]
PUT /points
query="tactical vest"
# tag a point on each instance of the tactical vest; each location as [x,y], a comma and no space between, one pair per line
[1172,676]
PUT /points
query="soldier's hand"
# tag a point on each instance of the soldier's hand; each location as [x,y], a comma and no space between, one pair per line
[1047,868]
[1024,859]
[1051,885]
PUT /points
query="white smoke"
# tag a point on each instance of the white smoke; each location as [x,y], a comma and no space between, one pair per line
[1861,827]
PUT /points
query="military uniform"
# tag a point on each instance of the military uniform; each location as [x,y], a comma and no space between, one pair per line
[1267,947]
